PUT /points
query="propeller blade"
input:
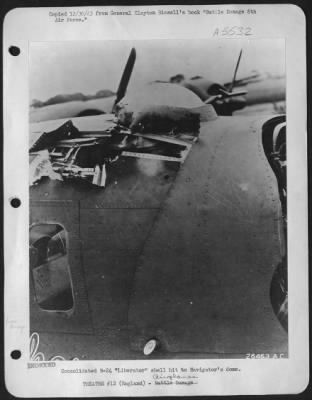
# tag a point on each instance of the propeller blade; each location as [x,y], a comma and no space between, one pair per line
[235,72]
[124,81]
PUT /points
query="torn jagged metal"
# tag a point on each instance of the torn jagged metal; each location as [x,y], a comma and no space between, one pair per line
[48,139]
[210,257]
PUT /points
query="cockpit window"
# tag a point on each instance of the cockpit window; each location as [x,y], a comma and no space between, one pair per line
[49,268]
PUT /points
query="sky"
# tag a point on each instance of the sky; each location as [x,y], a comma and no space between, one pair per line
[89,66]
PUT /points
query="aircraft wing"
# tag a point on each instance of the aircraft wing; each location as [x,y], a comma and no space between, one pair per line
[72,109]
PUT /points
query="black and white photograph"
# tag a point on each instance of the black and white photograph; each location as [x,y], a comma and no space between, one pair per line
[156,208]
[158,199]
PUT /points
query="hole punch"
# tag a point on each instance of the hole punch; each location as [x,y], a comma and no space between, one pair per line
[16,354]
[14,51]
[15,202]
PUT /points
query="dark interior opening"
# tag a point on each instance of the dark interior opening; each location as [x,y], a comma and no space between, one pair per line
[49,267]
